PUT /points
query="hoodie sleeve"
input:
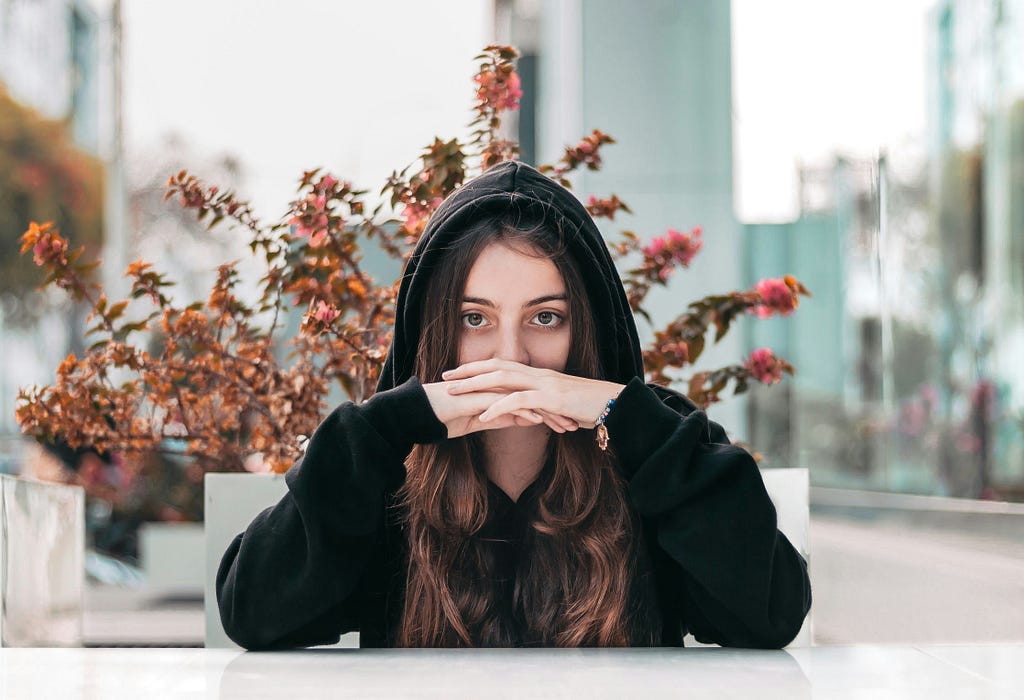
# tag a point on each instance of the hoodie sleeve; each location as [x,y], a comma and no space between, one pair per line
[293,578]
[743,583]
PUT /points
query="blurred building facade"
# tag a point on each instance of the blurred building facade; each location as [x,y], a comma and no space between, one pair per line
[909,356]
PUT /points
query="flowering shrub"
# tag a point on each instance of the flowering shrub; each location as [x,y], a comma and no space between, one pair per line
[212,381]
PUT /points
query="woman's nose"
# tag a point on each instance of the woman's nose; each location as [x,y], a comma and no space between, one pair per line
[511,347]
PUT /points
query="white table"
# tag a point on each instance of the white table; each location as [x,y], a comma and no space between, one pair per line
[941,671]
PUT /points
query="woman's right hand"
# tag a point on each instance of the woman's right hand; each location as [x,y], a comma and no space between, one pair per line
[459,412]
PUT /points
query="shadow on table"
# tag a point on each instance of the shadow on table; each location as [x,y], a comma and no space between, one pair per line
[589,673]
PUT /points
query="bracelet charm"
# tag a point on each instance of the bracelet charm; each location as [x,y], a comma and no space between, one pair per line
[602,429]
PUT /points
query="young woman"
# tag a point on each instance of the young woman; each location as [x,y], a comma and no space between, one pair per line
[514,482]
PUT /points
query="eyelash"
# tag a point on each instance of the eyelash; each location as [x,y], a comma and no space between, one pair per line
[551,327]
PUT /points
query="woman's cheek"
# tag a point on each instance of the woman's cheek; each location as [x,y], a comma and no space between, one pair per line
[552,351]
[470,349]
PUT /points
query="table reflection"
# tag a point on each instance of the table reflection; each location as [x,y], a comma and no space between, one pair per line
[454,673]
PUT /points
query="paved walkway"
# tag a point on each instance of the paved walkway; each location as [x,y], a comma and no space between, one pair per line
[881,582]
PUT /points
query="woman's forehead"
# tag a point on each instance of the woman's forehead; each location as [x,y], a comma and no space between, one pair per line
[503,270]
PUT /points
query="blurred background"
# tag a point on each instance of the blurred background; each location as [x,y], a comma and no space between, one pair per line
[874,150]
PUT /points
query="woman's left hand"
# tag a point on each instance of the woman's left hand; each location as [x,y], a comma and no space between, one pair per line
[576,399]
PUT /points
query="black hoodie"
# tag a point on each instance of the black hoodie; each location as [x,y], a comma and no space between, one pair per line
[330,557]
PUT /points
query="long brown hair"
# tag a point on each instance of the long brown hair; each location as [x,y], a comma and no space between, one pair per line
[574,587]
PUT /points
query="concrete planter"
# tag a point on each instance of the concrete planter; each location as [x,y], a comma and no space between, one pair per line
[172,559]
[789,490]
[231,502]
[42,563]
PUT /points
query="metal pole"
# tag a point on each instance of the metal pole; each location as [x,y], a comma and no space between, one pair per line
[115,241]
[885,314]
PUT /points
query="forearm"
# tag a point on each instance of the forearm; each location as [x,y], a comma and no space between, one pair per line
[744,583]
[298,563]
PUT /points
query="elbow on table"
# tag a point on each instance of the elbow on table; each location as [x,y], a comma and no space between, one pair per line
[253,638]
[778,638]
[784,631]
[774,631]
[775,637]
[240,631]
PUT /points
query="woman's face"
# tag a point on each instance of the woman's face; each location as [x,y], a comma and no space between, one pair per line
[514,308]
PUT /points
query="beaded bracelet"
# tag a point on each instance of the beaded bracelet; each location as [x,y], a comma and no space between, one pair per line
[602,430]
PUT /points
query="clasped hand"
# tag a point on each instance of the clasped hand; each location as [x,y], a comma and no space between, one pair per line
[493,394]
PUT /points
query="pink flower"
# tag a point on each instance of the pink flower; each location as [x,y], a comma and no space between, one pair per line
[325,313]
[417,213]
[764,366]
[38,251]
[685,246]
[318,238]
[655,247]
[414,214]
[513,91]
[674,248]
[500,94]
[677,353]
[313,227]
[327,183]
[776,298]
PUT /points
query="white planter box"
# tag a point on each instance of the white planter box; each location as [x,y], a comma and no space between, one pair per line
[172,559]
[232,501]
[42,563]
[789,490]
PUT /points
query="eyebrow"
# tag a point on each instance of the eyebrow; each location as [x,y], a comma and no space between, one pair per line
[539,300]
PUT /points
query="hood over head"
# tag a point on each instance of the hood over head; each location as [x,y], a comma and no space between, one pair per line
[516,189]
